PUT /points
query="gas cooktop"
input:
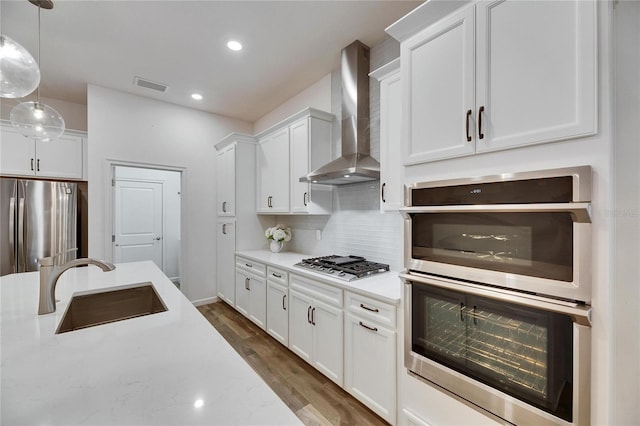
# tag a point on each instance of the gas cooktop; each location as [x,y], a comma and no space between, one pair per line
[346,268]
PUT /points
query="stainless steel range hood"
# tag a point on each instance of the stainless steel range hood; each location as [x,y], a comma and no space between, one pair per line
[355,164]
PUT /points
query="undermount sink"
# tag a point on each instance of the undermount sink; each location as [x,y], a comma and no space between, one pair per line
[111,305]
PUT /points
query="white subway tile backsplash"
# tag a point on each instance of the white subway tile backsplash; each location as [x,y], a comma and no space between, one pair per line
[356,227]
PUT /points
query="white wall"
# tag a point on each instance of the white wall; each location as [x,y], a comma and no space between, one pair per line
[133,129]
[318,96]
[171,199]
[75,115]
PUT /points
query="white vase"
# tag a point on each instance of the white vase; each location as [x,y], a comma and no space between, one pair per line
[276,246]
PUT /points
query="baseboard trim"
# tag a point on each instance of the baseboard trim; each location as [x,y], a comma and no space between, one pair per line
[206,301]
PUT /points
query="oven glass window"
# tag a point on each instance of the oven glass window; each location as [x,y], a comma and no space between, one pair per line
[524,352]
[532,244]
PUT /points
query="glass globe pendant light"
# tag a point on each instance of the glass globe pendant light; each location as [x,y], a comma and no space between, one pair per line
[36,120]
[19,72]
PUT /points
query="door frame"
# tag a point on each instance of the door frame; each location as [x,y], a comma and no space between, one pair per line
[109,219]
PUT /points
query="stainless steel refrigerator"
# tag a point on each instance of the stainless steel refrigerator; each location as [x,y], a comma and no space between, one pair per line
[38,218]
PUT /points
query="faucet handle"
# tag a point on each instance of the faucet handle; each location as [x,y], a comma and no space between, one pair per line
[50,260]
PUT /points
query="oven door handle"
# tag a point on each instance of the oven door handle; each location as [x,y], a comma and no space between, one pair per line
[580,212]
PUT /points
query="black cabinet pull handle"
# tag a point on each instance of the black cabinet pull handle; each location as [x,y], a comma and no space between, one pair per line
[248,265]
[224,206]
[224,228]
[461,311]
[367,327]
[369,309]
[305,197]
[32,164]
[309,314]
[467,125]
[284,308]
[276,275]
[480,111]
[247,284]
[382,190]
[313,316]
[38,165]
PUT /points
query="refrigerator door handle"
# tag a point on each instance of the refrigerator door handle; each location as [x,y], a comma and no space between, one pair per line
[12,242]
[21,260]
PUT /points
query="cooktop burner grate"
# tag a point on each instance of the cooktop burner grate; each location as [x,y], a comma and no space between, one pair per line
[347,268]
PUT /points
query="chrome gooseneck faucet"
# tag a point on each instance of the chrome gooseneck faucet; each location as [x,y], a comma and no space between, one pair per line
[49,275]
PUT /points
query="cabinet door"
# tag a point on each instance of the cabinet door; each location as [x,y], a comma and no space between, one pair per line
[18,154]
[300,328]
[370,361]
[277,312]
[327,340]
[536,71]
[61,158]
[258,301]
[226,247]
[438,69]
[299,146]
[226,182]
[391,188]
[273,173]
[243,288]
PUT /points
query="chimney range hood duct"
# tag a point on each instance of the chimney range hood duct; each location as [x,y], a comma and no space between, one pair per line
[355,165]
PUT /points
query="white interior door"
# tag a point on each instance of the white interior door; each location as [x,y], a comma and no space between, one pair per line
[138,222]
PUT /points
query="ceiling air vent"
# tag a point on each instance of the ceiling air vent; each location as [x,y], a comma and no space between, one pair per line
[148,84]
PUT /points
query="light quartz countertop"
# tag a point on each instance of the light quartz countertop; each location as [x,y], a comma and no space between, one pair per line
[169,368]
[385,286]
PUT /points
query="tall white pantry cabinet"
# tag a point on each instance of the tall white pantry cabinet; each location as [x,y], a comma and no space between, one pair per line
[238,225]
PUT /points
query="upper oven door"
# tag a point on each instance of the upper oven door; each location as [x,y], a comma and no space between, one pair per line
[525,231]
[544,252]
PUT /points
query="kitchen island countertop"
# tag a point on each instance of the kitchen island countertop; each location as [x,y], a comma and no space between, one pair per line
[167,368]
[385,286]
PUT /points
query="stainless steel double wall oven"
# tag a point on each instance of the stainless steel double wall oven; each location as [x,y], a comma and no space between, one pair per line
[498,291]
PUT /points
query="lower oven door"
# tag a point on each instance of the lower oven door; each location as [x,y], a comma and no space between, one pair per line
[523,359]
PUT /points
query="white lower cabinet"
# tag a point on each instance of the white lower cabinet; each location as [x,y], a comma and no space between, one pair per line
[370,354]
[225,252]
[316,325]
[251,291]
[278,305]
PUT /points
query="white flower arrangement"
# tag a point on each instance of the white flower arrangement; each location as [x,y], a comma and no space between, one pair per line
[278,233]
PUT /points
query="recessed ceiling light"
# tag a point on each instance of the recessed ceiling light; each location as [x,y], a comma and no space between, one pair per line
[234,45]
[196,96]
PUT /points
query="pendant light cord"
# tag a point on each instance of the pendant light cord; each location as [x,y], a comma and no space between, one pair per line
[38,88]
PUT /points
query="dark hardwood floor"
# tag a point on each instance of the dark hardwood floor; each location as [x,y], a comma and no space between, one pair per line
[315,399]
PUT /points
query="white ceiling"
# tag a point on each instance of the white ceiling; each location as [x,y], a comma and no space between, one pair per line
[288,45]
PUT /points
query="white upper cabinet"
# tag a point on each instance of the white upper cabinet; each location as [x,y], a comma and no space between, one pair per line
[496,75]
[310,145]
[60,158]
[536,72]
[437,65]
[226,182]
[273,173]
[288,151]
[391,170]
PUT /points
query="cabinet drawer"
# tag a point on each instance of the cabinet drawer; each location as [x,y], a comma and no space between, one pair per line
[317,290]
[371,309]
[251,266]
[276,275]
